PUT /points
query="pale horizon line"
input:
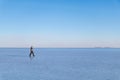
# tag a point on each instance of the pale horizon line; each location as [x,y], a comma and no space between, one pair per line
[66,47]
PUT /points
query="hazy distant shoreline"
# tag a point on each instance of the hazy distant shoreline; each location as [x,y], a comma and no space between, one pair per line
[57,48]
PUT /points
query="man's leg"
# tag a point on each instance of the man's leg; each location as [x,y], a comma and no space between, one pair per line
[33,53]
[30,54]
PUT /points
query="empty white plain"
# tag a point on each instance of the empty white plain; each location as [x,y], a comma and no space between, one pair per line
[60,64]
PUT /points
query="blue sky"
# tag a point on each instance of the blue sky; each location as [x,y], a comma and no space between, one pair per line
[60,23]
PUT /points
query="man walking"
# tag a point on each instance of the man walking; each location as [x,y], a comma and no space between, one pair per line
[31,52]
